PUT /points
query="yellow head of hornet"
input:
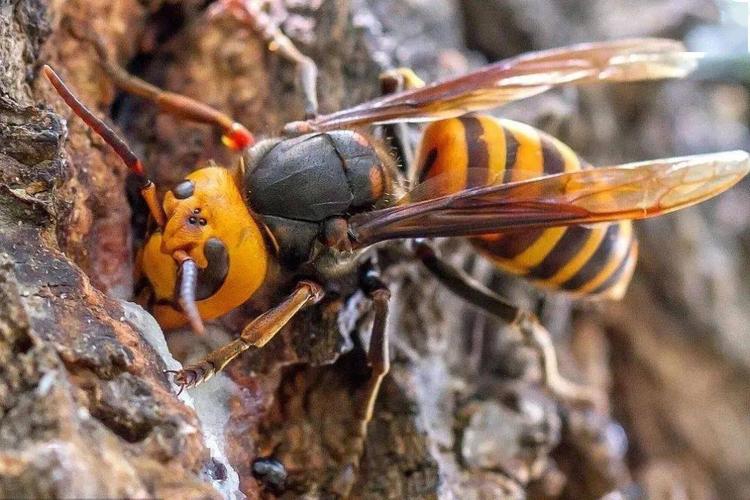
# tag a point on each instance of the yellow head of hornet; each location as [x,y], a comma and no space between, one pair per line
[208,255]
[207,219]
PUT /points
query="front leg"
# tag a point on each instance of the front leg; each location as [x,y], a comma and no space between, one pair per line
[257,333]
[235,135]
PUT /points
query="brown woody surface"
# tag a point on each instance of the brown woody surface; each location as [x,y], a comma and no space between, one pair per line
[85,411]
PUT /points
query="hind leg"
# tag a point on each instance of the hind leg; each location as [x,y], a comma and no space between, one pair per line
[534,333]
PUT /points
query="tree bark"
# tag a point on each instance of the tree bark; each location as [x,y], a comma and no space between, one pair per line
[86,412]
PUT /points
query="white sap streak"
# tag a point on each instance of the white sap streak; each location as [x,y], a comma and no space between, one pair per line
[208,400]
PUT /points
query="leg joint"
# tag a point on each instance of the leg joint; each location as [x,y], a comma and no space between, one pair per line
[315,290]
[381,294]
[371,284]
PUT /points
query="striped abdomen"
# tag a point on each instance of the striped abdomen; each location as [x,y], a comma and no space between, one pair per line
[478,150]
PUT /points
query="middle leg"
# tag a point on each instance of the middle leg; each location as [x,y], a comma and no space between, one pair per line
[379,363]
[393,81]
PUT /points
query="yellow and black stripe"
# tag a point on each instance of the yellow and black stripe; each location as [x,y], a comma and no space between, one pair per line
[476,150]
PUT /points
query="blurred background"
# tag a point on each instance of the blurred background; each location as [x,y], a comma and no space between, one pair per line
[674,353]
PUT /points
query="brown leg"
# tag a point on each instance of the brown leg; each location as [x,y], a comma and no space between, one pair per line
[256,334]
[235,137]
[540,339]
[533,332]
[463,285]
[249,11]
[377,357]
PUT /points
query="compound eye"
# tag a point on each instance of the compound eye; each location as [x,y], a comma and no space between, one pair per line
[213,276]
[184,189]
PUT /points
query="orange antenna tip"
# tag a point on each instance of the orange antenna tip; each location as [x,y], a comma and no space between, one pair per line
[138,168]
[238,138]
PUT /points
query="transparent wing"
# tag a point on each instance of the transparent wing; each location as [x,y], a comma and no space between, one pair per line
[631,191]
[520,77]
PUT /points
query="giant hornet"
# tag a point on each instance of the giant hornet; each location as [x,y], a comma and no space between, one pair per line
[315,200]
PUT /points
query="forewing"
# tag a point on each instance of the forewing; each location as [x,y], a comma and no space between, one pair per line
[520,77]
[631,191]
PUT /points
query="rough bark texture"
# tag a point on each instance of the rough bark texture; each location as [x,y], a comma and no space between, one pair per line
[85,410]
